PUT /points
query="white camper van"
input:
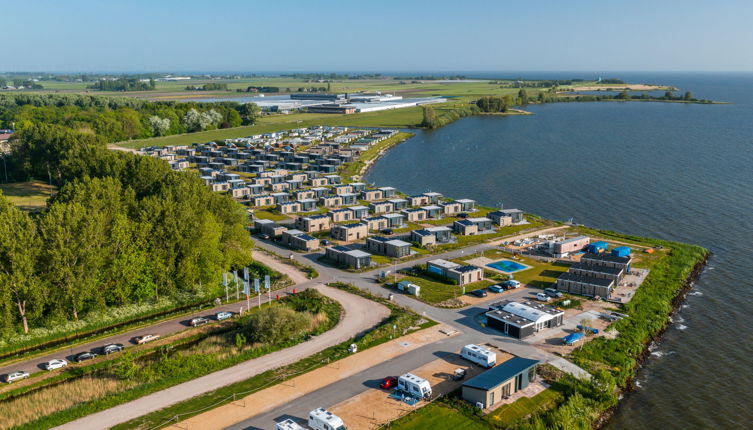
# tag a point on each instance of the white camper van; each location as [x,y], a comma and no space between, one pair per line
[413,385]
[288,424]
[479,355]
[321,419]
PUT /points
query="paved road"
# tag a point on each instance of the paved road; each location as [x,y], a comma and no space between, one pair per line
[360,315]
[163,328]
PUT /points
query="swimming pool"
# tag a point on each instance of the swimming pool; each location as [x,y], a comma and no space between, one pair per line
[507,266]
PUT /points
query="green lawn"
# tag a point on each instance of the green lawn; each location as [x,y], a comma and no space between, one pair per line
[434,291]
[436,416]
[31,196]
[271,215]
[523,407]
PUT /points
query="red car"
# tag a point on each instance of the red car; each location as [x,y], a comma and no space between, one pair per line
[388,382]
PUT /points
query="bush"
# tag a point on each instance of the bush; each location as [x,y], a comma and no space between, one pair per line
[276,324]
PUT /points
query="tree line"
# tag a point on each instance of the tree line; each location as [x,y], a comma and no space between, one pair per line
[123,84]
[117,118]
[121,229]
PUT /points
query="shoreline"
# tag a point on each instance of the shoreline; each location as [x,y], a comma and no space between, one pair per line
[606,416]
[681,292]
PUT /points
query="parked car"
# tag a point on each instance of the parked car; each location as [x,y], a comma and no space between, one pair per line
[55,364]
[387,231]
[264,236]
[85,356]
[479,293]
[219,316]
[462,215]
[16,376]
[388,382]
[146,338]
[325,242]
[551,292]
[511,284]
[198,321]
[112,347]
[543,297]
[496,288]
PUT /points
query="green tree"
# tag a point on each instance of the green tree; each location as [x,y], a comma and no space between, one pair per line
[688,96]
[522,97]
[19,249]
[249,112]
[430,119]
[73,247]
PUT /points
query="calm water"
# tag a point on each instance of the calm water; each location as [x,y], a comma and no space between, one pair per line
[680,172]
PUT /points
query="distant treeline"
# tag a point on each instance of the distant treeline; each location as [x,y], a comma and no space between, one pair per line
[331,76]
[122,229]
[123,84]
[212,86]
[623,95]
[26,83]
[118,118]
[430,78]
[435,118]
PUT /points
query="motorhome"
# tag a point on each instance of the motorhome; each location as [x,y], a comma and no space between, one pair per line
[479,355]
[321,419]
[413,385]
[288,424]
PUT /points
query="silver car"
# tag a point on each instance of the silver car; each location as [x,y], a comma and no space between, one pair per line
[16,376]
[55,364]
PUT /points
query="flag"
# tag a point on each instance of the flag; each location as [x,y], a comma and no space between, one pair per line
[256,284]
[266,281]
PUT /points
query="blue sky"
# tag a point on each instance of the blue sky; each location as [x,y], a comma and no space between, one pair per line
[384,35]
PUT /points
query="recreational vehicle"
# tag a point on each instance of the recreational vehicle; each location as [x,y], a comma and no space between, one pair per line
[321,419]
[413,385]
[479,355]
[288,424]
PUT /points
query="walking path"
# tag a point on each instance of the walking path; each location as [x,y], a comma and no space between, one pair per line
[360,315]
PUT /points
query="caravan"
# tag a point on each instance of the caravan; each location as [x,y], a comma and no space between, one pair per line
[479,355]
[288,424]
[321,419]
[414,386]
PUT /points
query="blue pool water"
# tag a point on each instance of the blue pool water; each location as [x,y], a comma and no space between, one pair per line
[507,266]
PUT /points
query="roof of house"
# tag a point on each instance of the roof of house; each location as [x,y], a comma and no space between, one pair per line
[601,282]
[605,257]
[500,373]
[397,242]
[358,253]
[595,268]
[464,222]
[444,263]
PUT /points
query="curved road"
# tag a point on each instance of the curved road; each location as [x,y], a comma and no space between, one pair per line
[360,315]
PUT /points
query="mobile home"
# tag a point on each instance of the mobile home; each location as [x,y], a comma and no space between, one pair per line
[479,355]
[413,385]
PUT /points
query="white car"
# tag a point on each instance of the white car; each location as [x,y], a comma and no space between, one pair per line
[543,297]
[16,376]
[146,338]
[223,315]
[55,364]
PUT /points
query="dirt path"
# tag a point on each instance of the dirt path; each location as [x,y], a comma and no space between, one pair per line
[360,315]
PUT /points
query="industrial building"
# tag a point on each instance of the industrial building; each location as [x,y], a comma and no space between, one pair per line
[597,274]
[521,320]
[499,382]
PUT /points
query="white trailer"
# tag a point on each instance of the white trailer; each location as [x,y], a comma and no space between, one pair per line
[479,355]
[321,419]
[413,385]
[288,424]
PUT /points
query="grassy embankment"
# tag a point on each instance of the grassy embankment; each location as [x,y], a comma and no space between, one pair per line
[612,362]
[84,390]
[403,319]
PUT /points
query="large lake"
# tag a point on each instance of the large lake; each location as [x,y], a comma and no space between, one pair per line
[674,171]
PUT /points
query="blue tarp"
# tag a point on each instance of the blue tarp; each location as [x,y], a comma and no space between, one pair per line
[572,338]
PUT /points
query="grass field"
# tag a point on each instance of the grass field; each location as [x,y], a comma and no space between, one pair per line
[434,291]
[523,407]
[30,196]
[437,416]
